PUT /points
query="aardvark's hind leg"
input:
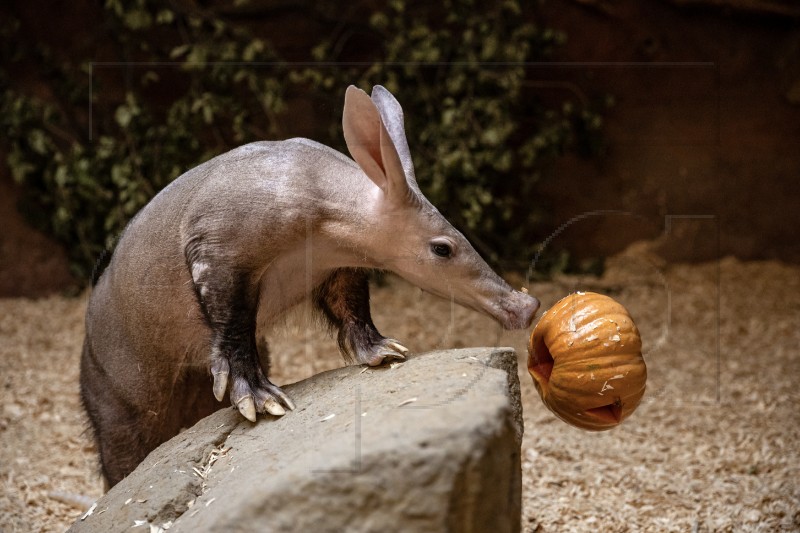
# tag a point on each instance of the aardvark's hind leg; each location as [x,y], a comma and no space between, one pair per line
[344,300]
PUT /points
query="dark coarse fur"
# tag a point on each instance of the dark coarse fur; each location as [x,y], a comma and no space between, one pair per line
[100,265]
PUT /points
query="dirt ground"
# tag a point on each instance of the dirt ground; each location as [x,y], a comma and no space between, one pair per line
[715,445]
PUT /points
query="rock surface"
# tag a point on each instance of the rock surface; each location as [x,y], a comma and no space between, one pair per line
[432,444]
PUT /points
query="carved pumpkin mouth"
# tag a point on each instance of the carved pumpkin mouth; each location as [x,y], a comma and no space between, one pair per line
[611,413]
[541,362]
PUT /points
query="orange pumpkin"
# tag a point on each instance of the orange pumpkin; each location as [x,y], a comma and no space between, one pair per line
[585,357]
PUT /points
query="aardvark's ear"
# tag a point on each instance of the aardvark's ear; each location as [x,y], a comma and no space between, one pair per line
[371,146]
[392,117]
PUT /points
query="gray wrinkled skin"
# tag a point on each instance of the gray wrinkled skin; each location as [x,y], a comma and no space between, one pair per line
[236,242]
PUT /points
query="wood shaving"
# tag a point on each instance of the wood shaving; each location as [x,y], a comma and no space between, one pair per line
[89,512]
[205,469]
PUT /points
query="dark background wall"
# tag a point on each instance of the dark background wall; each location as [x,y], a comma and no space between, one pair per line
[706,124]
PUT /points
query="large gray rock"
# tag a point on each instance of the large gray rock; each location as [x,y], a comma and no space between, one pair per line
[429,445]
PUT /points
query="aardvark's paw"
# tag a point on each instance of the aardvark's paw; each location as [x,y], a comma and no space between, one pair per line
[251,393]
[386,350]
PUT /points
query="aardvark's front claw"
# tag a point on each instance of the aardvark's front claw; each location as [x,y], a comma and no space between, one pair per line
[250,398]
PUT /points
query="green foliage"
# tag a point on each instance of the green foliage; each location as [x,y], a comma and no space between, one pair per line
[182,86]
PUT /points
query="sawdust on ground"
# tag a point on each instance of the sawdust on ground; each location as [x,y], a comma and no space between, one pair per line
[713,447]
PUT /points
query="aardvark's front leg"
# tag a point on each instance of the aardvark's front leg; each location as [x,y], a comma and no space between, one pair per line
[228,299]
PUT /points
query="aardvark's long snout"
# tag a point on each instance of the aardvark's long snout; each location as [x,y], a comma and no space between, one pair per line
[517,310]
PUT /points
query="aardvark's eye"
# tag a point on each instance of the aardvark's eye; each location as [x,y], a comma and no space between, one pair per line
[441,249]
